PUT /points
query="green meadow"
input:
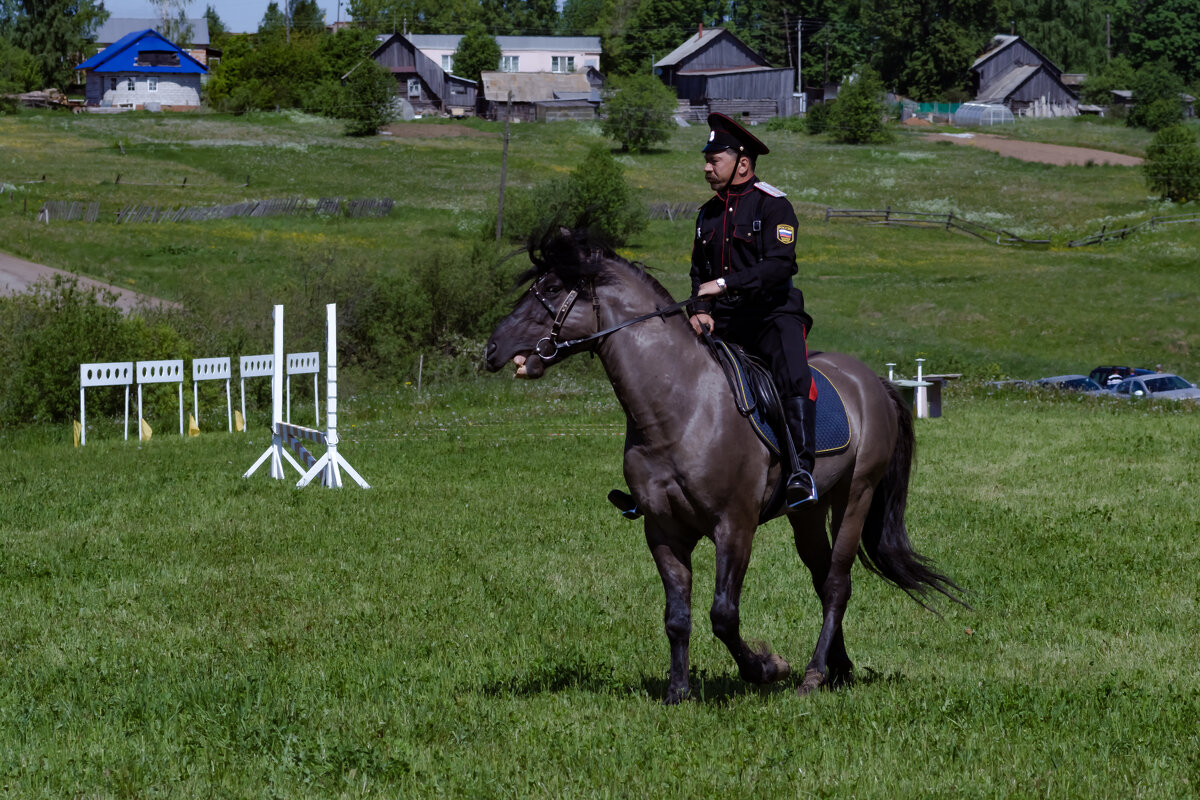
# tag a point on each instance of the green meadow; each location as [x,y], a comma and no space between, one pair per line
[481,623]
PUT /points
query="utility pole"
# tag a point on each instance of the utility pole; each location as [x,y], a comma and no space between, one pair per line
[799,51]
[287,20]
[503,169]
[1108,37]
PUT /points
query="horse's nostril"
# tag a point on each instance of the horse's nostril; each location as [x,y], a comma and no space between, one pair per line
[491,348]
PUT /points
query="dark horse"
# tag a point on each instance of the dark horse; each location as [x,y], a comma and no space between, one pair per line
[695,467]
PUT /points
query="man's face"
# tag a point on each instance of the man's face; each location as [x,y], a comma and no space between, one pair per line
[720,168]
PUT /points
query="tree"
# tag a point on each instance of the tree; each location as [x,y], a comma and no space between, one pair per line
[19,70]
[857,115]
[1172,165]
[1156,96]
[174,25]
[1166,29]
[477,52]
[519,17]
[1098,88]
[56,33]
[639,109]
[1071,33]
[217,32]
[925,48]
[307,17]
[370,89]
[274,22]
[414,16]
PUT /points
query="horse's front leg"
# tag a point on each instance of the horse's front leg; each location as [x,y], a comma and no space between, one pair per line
[759,664]
[673,557]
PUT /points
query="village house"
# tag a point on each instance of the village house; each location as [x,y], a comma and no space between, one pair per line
[541,96]
[558,54]
[714,71]
[421,81]
[197,45]
[1013,74]
[143,70]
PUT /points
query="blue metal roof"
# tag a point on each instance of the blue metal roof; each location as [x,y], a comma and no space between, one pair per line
[122,55]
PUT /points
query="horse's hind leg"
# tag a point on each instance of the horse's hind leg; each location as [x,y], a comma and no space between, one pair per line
[673,557]
[755,665]
[830,567]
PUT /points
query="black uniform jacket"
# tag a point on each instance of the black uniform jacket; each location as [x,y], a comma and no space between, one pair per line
[747,235]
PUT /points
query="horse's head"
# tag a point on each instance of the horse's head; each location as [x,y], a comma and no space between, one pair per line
[559,306]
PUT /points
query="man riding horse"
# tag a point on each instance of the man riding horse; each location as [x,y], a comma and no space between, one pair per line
[743,260]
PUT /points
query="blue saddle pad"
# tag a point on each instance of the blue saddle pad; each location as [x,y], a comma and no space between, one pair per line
[832,423]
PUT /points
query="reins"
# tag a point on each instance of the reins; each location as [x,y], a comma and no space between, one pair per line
[555,347]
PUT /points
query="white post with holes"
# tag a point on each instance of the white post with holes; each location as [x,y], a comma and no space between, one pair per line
[304,364]
[212,369]
[254,367]
[170,371]
[111,373]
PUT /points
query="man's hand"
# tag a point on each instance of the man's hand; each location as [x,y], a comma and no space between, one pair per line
[709,289]
[701,323]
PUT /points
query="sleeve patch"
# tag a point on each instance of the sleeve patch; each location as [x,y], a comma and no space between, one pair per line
[785,234]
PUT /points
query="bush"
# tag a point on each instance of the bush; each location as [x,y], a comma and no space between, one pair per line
[1156,96]
[369,93]
[817,119]
[639,110]
[792,124]
[1172,166]
[594,196]
[858,115]
[46,333]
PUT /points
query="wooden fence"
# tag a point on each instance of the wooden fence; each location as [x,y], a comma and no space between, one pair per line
[1120,233]
[920,219]
[278,207]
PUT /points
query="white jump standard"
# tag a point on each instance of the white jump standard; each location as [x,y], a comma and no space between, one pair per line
[328,466]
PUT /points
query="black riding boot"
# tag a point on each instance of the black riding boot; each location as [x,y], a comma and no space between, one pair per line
[801,416]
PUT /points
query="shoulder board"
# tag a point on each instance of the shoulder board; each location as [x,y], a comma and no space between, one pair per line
[767,188]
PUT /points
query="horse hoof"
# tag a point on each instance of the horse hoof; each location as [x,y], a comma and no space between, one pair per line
[775,669]
[813,680]
[676,696]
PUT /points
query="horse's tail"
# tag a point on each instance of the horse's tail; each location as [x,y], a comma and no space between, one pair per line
[885,549]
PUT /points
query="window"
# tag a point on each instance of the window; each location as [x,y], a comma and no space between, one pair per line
[152,84]
[510,64]
[129,84]
[414,87]
[562,63]
[447,63]
[112,84]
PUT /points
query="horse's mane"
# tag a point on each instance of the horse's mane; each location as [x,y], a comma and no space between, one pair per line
[575,255]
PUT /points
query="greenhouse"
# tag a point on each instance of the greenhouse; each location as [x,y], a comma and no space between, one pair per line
[982,114]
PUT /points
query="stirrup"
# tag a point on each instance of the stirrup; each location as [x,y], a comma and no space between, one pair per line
[801,489]
[624,503]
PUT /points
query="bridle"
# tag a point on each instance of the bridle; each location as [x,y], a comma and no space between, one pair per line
[549,347]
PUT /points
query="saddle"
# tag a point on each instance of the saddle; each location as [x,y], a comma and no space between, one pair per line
[758,401]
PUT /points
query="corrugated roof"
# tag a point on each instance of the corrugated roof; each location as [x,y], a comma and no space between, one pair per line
[696,41]
[533,87]
[117,28]
[448,41]
[1006,84]
[122,55]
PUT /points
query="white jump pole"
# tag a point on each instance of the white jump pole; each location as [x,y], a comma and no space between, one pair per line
[329,466]
[275,451]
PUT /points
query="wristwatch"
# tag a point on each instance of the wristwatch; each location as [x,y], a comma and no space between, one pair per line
[721,284]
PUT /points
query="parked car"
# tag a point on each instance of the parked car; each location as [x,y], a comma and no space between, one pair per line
[1159,385]
[1111,376]
[1072,383]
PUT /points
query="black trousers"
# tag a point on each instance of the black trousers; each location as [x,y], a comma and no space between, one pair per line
[778,338]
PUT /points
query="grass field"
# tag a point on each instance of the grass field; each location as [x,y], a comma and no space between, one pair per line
[481,623]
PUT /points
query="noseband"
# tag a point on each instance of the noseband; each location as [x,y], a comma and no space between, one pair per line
[549,347]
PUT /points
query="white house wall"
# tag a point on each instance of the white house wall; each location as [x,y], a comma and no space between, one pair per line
[174,89]
[527,60]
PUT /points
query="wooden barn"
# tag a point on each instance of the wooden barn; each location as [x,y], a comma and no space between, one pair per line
[541,96]
[1014,74]
[426,86]
[714,71]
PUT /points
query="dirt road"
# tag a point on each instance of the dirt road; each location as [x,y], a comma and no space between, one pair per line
[17,275]
[1060,155]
